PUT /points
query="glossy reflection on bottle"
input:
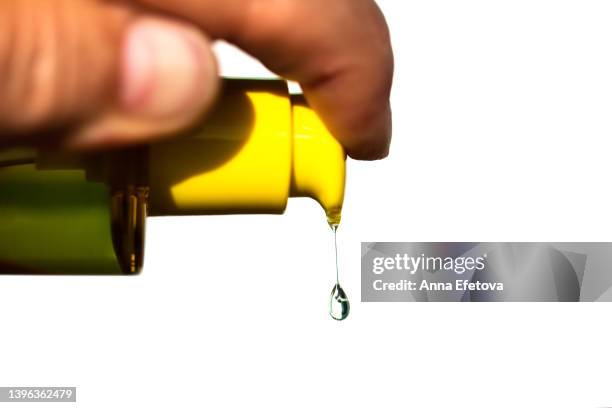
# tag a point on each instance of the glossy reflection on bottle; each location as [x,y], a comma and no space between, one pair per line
[339,306]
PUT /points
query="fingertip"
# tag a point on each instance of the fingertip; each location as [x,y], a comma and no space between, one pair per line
[373,141]
[167,80]
[369,152]
[167,69]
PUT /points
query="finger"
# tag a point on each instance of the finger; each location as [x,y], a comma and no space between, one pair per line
[98,74]
[339,51]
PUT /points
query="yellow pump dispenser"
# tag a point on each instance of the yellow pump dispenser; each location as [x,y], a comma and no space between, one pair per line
[86,213]
[256,149]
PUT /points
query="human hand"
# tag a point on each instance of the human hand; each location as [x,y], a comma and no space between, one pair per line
[95,73]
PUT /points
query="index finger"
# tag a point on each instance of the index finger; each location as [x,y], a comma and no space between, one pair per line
[339,51]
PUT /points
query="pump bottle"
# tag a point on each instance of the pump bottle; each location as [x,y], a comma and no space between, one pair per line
[86,213]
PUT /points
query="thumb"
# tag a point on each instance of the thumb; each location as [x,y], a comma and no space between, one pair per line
[89,74]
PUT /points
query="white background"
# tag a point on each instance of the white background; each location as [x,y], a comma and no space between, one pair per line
[503,114]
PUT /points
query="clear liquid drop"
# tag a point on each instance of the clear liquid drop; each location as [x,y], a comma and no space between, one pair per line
[339,306]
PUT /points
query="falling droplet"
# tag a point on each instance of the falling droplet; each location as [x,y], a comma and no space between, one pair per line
[339,305]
